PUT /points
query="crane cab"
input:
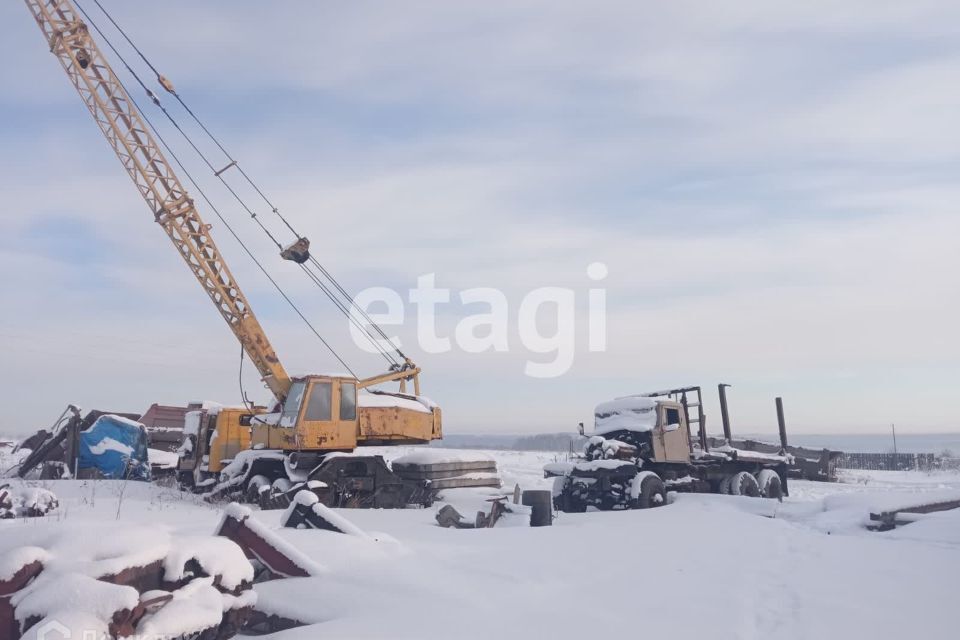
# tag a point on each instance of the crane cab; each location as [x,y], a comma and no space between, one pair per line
[319,413]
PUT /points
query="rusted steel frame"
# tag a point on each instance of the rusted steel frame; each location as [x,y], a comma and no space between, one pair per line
[781,423]
[9,627]
[724,413]
[257,548]
[123,623]
[262,622]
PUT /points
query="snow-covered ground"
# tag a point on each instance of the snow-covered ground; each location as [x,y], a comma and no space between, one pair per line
[704,566]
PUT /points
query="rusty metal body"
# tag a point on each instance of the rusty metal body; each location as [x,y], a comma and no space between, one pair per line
[887,520]
[56,451]
[164,426]
[123,623]
[260,548]
[622,462]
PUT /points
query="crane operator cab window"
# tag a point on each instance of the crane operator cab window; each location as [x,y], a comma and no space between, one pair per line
[291,408]
[320,402]
[671,420]
[329,414]
[348,401]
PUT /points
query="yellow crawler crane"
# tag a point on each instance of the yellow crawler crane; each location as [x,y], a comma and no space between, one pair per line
[318,413]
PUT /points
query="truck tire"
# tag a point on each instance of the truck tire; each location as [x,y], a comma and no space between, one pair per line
[279,496]
[723,487]
[744,484]
[185,480]
[569,501]
[540,503]
[652,493]
[255,487]
[770,484]
[574,505]
[564,499]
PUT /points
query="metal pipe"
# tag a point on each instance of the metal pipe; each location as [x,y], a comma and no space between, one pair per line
[724,416]
[782,423]
[704,441]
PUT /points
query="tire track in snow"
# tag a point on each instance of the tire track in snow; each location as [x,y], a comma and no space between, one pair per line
[770,601]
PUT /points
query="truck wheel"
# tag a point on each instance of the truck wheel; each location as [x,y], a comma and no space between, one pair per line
[563,496]
[652,493]
[770,485]
[573,505]
[723,487]
[279,497]
[744,484]
[569,502]
[540,503]
[255,488]
[185,480]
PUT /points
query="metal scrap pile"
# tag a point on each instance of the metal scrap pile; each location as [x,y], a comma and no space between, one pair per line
[448,469]
[25,502]
[109,584]
[98,445]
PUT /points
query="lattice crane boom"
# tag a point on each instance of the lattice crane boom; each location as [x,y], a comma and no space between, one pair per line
[172,207]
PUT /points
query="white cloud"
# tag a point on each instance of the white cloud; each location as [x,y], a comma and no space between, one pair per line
[770,184]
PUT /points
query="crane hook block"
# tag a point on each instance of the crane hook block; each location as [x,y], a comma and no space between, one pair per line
[83,58]
[298,252]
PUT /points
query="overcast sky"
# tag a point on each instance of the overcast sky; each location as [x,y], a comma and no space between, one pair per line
[773,187]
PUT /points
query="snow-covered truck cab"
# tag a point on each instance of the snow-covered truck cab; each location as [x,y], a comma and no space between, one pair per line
[657,428]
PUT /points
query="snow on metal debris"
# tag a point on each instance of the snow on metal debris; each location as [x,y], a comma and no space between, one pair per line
[433,455]
[194,608]
[271,537]
[596,465]
[13,561]
[309,500]
[53,593]
[217,556]
[368,400]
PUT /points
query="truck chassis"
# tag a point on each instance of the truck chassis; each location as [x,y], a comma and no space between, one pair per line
[650,450]
[642,484]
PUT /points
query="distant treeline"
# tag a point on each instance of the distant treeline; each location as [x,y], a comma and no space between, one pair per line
[550,442]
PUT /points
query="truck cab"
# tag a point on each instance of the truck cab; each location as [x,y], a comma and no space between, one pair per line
[671,435]
[656,427]
[212,436]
